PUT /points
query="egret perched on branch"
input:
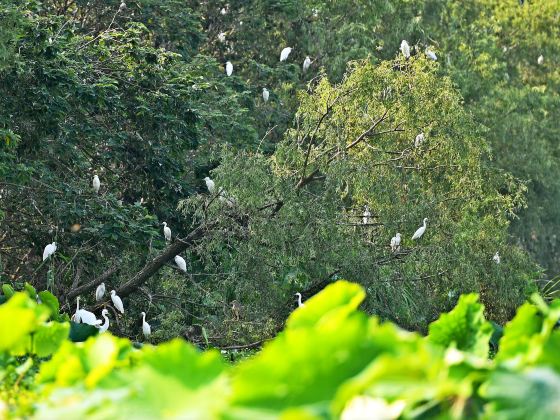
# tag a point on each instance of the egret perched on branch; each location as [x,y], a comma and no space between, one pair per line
[222,37]
[166,231]
[418,234]
[181,263]
[146,329]
[540,60]
[299,302]
[49,250]
[431,55]
[497,258]
[210,185]
[306,63]
[229,68]
[87,317]
[285,53]
[265,94]
[100,292]
[105,326]
[96,184]
[367,215]
[396,242]
[122,7]
[117,302]
[405,49]
[419,140]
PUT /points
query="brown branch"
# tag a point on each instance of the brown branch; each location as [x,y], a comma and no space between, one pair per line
[94,283]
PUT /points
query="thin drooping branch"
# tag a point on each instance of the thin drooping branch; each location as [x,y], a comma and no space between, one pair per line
[94,283]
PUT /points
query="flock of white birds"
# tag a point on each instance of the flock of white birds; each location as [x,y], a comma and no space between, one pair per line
[87,317]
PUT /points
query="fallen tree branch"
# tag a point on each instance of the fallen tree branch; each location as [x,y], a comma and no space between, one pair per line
[92,284]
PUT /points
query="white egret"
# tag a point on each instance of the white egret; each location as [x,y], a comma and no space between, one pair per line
[105,326]
[405,49]
[306,63]
[229,68]
[181,263]
[96,184]
[100,292]
[49,250]
[540,60]
[166,231]
[87,317]
[223,11]
[367,215]
[146,329]
[396,242]
[117,302]
[497,258]
[222,37]
[122,7]
[285,53]
[431,55]
[265,94]
[419,140]
[299,302]
[210,185]
[418,234]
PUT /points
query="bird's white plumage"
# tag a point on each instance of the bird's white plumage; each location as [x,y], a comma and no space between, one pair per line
[166,232]
[285,53]
[306,63]
[96,184]
[299,302]
[396,242]
[146,329]
[181,263]
[419,140]
[105,326]
[100,292]
[49,250]
[117,302]
[431,55]
[405,48]
[366,215]
[540,60]
[265,94]
[229,68]
[420,231]
[210,185]
[497,258]
[86,317]
[222,37]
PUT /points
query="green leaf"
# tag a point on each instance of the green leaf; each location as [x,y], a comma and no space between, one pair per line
[48,338]
[31,292]
[50,300]
[8,290]
[81,332]
[18,318]
[464,327]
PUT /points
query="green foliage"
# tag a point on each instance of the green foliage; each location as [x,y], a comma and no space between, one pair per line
[331,361]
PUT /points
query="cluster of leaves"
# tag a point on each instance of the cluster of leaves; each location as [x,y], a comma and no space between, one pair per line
[331,361]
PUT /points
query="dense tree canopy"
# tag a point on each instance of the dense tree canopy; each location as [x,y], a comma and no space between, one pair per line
[138,95]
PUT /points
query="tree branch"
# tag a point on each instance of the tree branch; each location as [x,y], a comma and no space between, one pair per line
[89,286]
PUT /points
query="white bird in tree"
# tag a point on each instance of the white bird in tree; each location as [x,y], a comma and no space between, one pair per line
[117,302]
[229,68]
[431,55]
[306,63]
[100,292]
[122,7]
[96,184]
[146,329]
[181,263]
[405,49]
[285,53]
[497,258]
[418,234]
[540,60]
[419,140]
[49,250]
[86,317]
[166,231]
[366,216]
[210,185]
[105,326]
[396,242]
[222,37]
[265,94]
[299,302]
